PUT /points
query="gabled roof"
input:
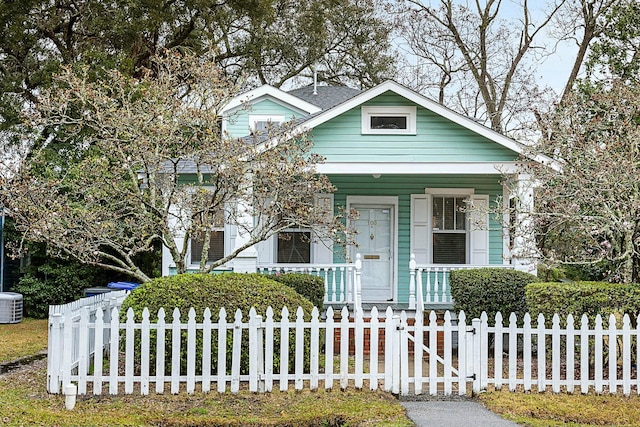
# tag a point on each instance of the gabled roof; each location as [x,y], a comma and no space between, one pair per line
[391,86]
[266,91]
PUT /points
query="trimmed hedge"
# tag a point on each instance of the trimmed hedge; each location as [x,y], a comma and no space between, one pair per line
[230,290]
[491,290]
[578,298]
[310,287]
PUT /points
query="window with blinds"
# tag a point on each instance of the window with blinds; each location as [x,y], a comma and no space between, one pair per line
[216,247]
[449,230]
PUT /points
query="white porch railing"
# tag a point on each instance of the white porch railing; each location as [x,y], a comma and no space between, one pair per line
[341,280]
[429,283]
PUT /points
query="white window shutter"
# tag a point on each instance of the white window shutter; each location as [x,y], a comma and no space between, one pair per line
[420,227]
[479,229]
[322,249]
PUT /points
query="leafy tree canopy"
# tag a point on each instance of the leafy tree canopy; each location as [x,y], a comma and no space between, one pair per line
[258,41]
[588,205]
[119,165]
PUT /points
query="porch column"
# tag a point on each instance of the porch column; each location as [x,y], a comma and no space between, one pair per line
[247,260]
[524,243]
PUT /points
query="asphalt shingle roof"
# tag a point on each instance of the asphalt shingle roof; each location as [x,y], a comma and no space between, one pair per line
[327,97]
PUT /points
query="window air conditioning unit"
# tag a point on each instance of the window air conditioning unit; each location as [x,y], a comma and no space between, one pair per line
[10,307]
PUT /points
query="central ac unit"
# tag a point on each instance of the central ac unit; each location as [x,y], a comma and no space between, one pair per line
[10,307]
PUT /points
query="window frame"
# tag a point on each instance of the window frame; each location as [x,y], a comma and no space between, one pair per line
[295,230]
[449,193]
[276,119]
[409,112]
[216,228]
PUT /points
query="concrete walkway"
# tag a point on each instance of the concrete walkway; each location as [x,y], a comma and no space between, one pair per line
[458,413]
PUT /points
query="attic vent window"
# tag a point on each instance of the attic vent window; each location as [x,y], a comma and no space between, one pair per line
[389,120]
[262,123]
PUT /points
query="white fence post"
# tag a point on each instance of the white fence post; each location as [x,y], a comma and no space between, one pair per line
[191,351]
[99,350]
[268,350]
[497,351]
[284,350]
[256,356]
[206,351]
[54,351]
[176,340]
[129,352]
[344,348]
[374,324]
[160,359]
[359,347]
[314,348]
[299,349]
[476,360]
[463,340]
[222,351]
[404,354]
[626,355]
[236,352]
[484,351]
[329,350]
[542,354]
[433,356]
[395,358]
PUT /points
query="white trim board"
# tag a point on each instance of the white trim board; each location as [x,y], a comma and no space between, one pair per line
[267,90]
[419,168]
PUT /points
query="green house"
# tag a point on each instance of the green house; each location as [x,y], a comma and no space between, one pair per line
[422,178]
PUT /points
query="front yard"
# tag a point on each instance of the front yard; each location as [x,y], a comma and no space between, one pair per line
[25,401]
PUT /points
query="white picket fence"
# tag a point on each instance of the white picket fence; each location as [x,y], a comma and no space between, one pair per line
[390,351]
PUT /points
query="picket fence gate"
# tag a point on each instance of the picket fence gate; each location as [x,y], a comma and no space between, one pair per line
[391,351]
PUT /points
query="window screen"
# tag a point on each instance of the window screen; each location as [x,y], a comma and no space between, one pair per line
[216,247]
[294,247]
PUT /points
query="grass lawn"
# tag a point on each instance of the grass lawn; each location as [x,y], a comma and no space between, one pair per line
[22,339]
[548,409]
[25,401]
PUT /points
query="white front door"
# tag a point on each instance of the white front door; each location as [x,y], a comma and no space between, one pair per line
[375,243]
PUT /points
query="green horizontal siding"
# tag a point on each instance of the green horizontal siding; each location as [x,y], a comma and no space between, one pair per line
[238,123]
[403,186]
[437,139]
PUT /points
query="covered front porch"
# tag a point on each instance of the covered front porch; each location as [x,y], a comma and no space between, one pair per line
[428,285]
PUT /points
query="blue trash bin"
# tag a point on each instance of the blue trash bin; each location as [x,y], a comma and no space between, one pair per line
[126,286]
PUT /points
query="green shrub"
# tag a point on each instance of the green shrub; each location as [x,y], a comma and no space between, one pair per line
[310,287]
[52,284]
[232,291]
[578,298]
[490,289]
